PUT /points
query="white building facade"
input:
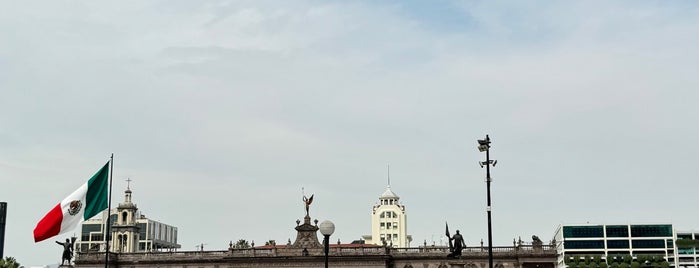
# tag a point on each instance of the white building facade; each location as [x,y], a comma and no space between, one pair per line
[389,223]
[608,241]
[687,244]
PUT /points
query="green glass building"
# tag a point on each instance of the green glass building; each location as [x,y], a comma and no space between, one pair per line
[609,241]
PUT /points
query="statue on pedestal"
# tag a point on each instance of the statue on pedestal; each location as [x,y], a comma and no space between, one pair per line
[307,202]
[67,251]
[457,245]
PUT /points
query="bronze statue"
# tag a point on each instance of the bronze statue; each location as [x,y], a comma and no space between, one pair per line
[458,245]
[67,251]
[536,239]
[307,202]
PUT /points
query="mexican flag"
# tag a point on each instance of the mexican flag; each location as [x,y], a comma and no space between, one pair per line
[87,201]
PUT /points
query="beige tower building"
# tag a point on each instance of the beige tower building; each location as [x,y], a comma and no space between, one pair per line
[125,232]
[389,224]
[130,231]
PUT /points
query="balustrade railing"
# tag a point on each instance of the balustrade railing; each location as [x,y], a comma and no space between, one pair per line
[339,251]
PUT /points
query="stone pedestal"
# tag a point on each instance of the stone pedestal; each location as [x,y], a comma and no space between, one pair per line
[307,235]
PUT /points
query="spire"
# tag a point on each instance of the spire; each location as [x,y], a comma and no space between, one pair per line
[388,167]
[127,193]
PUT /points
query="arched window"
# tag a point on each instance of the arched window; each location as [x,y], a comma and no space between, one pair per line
[124,216]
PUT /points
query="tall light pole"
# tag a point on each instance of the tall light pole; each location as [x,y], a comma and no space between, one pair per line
[484,146]
[327,228]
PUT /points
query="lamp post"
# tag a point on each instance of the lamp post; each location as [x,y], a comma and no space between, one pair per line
[327,228]
[484,146]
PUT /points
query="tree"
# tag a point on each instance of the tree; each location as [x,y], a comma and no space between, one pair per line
[596,259]
[271,243]
[635,264]
[614,265]
[9,262]
[242,243]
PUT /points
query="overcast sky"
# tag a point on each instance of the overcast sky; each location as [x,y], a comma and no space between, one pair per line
[221,111]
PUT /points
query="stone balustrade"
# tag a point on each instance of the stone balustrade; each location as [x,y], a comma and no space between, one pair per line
[429,251]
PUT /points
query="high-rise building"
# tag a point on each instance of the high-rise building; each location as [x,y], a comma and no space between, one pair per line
[687,244]
[608,241]
[389,223]
[130,231]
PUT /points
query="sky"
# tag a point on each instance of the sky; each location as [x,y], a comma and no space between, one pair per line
[221,112]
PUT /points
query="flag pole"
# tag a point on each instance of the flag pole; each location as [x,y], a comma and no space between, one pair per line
[109,212]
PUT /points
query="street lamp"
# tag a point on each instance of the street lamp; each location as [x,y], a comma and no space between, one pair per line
[484,146]
[327,228]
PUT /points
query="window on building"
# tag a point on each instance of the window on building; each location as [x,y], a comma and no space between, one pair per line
[651,230]
[123,217]
[685,251]
[582,231]
[654,243]
[395,225]
[383,237]
[383,215]
[141,230]
[591,244]
[684,236]
[394,214]
[617,231]
[383,225]
[96,237]
[617,243]
[395,236]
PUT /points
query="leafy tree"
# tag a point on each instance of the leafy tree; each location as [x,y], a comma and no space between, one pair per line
[603,265]
[635,264]
[623,265]
[588,259]
[573,265]
[614,265]
[597,259]
[271,243]
[628,259]
[10,262]
[242,243]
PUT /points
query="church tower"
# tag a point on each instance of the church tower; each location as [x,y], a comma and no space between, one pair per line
[125,235]
[389,225]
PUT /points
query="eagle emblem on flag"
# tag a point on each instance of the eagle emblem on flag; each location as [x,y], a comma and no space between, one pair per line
[74,207]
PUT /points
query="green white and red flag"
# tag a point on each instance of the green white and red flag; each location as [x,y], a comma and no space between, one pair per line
[88,200]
